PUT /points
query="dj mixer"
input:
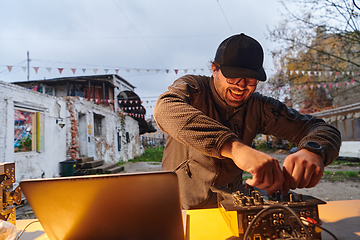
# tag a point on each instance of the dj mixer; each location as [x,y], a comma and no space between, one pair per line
[253,215]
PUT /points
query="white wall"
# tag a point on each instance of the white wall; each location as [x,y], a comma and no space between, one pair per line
[104,147]
[350,149]
[57,141]
[32,164]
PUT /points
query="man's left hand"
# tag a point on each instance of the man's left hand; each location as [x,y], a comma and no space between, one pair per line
[302,169]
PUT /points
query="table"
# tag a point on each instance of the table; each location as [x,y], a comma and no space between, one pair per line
[342,218]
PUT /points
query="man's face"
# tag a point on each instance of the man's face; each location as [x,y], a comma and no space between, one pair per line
[233,95]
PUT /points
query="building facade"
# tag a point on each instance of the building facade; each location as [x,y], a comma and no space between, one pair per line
[44,124]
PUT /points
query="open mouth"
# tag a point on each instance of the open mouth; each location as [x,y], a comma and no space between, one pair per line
[236,95]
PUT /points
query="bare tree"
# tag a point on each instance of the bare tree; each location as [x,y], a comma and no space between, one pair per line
[318,36]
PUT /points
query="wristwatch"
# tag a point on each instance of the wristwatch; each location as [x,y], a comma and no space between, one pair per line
[316,148]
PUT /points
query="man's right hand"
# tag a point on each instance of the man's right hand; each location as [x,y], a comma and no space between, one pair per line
[266,171]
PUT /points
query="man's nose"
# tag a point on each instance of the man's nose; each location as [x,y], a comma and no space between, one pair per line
[242,83]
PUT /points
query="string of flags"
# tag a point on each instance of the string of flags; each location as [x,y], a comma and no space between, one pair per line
[122,110]
[108,70]
[323,73]
[311,86]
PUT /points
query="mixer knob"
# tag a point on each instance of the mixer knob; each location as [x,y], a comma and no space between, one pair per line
[277,196]
[291,197]
[300,197]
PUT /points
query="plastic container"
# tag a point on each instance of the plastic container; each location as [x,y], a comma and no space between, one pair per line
[68,168]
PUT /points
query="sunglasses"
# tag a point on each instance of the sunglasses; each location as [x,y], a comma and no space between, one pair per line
[248,81]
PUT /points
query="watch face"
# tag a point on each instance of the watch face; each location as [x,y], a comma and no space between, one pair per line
[313,145]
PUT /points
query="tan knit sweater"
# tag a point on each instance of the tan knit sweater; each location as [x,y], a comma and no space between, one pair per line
[198,123]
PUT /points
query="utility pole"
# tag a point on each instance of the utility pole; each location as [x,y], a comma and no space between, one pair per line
[28,69]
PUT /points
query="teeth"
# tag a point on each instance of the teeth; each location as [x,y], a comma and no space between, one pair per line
[237,93]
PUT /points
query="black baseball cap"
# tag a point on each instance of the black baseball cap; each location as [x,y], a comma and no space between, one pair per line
[241,56]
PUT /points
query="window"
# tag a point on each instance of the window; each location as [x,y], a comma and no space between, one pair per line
[119,140]
[98,125]
[357,128]
[49,91]
[28,131]
[349,129]
[340,127]
[77,90]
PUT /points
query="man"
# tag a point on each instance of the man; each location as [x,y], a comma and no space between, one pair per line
[212,121]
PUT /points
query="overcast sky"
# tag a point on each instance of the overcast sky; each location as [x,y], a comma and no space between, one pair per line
[141,38]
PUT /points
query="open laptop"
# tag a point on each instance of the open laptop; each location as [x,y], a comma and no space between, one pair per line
[117,206]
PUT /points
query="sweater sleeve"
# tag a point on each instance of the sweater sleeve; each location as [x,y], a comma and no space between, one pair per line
[289,124]
[176,116]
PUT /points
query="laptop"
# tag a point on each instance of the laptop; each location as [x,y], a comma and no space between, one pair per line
[117,206]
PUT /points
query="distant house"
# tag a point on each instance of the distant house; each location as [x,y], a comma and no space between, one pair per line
[48,121]
[154,138]
[347,120]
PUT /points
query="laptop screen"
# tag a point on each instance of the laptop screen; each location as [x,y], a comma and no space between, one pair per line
[116,206]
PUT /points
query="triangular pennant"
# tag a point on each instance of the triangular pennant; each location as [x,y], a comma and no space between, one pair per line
[116,71]
[83,70]
[185,71]
[36,69]
[106,70]
[60,70]
[95,71]
[73,70]
[9,68]
[176,71]
[138,70]
[23,68]
[291,72]
[157,70]
[167,70]
[128,70]
[49,69]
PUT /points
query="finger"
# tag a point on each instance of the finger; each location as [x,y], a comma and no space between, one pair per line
[287,171]
[278,179]
[268,179]
[315,179]
[296,176]
[257,178]
[308,175]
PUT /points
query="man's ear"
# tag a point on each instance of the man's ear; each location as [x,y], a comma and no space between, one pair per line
[214,69]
